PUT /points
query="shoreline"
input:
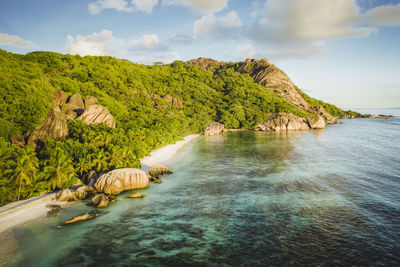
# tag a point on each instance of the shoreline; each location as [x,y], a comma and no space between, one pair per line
[21,213]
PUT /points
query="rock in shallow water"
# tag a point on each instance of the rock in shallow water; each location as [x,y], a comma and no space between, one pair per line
[82,217]
[136,195]
[116,181]
[316,122]
[214,128]
[158,169]
[99,201]
[285,122]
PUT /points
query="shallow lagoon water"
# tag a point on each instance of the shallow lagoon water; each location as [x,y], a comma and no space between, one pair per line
[320,197]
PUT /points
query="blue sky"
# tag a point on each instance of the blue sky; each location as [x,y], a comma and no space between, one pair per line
[344,52]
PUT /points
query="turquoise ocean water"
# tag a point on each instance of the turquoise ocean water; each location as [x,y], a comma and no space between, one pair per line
[319,197]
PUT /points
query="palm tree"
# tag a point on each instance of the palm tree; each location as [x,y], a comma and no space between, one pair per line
[59,170]
[100,160]
[24,168]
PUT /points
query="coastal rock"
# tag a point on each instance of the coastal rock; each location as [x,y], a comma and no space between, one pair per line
[65,195]
[54,126]
[260,127]
[316,122]
[82,217]
[157,170]
[328,117]
[84,192]
[89,100]
[214,128]
[118,180]
[156,180]
[96,114]
[285,122]
[99,201]
[53,206]
[59,98]
[136,195]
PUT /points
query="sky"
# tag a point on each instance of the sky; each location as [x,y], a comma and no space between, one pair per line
[345,52]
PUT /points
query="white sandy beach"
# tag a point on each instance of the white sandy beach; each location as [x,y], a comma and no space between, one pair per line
[21,213]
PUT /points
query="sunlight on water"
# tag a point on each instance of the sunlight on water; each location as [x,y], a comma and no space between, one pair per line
[326,197]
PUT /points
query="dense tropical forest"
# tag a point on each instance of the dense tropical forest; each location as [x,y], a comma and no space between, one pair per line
[27,84]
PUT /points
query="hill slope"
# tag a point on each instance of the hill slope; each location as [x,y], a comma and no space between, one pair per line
[151,105]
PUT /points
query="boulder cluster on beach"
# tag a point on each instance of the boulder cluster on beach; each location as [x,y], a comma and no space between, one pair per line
[107,186]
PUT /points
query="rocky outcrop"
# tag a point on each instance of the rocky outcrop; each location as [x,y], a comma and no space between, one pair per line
[206,63]
[75,102]
[136,195]
[328,117]
[96,114]
[84,192]
[82,217]
[214,128]
[158,170]
[116,181]
[54,126]
[264,73]
[285,122]
[65,195]
[89,100]
[173,101]
[59,98]
[99,201]
[316,122]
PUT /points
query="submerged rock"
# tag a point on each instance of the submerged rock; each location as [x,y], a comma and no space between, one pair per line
[136,195]
[285,122]
[65,195]
[53,206]
[96,114]
[157,170]
[214,128]
[82,217]
[316,122]
[54,126]
[116,181]
[99,201]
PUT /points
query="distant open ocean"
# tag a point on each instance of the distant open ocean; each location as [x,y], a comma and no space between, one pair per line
[319,197]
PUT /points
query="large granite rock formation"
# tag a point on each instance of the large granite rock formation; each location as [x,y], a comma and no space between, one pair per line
[84,192]
[116,181]
[285,122]
[96,114]
[264,73]
[54,126]
[99,201]
[65,195]
[328,117]
[214,128]
[89,100]
[316,122]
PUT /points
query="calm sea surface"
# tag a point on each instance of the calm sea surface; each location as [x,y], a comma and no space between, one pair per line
[321,197]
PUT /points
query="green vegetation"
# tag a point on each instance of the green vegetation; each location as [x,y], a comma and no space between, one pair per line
[27,83]
[331,109]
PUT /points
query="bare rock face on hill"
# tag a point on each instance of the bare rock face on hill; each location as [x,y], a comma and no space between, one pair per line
[59,98]
[285,122]
[54,126]
[116,181]
[89,100]
[316,122]
[214,128]
[96,114]
[264,73]
[328,117]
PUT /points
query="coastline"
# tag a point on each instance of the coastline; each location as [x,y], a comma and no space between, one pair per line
[21,213]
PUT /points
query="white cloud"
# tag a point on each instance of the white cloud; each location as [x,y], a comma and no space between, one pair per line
[96,44]
[199,5]
[230,20]
[14,40]
[145,6]
[181,39]
[210,25]
[382,16]
[148,41]
[245,51]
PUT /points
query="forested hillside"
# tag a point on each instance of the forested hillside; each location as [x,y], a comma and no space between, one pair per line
[137,96]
